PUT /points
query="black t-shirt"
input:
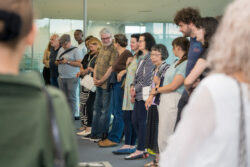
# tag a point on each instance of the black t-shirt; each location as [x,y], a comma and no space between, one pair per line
[89,61]
[52,65]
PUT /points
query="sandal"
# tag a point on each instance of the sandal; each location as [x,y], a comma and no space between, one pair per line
[153,163]
[149,164]
[138,156]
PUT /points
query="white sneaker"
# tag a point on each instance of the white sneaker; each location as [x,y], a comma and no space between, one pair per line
[81,133]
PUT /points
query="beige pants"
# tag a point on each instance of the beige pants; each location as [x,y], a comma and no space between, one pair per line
[167,117]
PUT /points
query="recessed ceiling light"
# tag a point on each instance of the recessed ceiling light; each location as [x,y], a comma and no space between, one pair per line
[108,23]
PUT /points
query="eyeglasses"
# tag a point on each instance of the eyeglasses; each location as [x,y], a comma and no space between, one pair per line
[155,55]
[107,38]
[140,41]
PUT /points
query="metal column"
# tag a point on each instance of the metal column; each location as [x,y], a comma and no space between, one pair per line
[85,18]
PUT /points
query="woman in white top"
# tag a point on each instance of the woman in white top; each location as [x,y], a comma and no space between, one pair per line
[209,133]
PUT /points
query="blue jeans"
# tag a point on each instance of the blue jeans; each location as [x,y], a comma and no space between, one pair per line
[101,114]
[129,131]
[77,113]
[139,117]
[115,108]
[69,86]
[53,82]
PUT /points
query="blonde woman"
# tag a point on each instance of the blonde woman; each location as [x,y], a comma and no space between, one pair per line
[87,97]
[46,71]
[214,130]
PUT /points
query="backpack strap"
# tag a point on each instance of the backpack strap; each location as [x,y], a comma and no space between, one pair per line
[59,160]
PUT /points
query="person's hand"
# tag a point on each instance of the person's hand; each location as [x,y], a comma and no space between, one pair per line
[63,61]
[97,82]
[132,100]
[132,92]
[90,69]
[78,74]
[120,75]
[196,83]
[153,92]
[148,102]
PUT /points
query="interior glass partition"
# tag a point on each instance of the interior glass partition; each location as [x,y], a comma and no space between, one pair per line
[163,32]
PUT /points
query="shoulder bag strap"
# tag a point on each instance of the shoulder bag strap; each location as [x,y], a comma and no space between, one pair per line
[59,160]
[242,153]
[66,51]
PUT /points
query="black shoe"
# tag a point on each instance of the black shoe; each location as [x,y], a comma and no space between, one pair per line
[95,139]
[77,118]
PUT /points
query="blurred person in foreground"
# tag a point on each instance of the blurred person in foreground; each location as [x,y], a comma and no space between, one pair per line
[214,130]
[26,139]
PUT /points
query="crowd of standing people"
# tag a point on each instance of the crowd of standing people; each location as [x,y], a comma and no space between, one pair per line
[193,112]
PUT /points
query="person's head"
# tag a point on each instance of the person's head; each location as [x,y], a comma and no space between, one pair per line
[229,51]
[134,42]
[87,40]
[186,19]
[78,35]
[180,48]
[65,41]
[146,41]
[206,28]
[54,40]
[106,37]
[94,45]
[120,41]
[158,54]
[16,25]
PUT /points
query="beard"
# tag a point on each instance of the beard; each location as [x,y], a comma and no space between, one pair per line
[187,33]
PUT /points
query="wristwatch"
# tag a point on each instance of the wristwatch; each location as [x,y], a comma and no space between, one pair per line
[68,62]
[156,89]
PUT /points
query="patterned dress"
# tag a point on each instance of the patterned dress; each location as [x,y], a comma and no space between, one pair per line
[127,105]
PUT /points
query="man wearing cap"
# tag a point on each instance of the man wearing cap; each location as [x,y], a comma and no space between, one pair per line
[69,62]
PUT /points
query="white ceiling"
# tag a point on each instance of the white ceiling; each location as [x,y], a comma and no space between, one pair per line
[125,10]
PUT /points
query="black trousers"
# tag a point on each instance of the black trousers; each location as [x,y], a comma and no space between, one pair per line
[139,117]
[46,75]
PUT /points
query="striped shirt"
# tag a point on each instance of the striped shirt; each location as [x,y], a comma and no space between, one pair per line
[143,76]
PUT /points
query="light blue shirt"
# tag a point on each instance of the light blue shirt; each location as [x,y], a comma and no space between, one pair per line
[82,48]
[66,70]
[172,72]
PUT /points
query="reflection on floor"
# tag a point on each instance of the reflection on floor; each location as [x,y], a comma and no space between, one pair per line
[91,152]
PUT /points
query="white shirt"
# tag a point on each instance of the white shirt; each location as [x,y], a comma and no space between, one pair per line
[82,48]
[208,133]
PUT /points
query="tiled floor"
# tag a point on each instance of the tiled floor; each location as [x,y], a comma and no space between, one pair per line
[91,152]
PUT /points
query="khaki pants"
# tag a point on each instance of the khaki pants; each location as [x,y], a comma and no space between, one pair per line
[167,117]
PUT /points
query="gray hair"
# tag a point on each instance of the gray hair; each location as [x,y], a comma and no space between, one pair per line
[105,31]
[230,49]
[64,38]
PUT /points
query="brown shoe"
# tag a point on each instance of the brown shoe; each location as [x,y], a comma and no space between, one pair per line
[107,143]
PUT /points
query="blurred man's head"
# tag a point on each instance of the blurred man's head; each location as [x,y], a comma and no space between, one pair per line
[106,37]
[54,40]
[78,34]
[65,41]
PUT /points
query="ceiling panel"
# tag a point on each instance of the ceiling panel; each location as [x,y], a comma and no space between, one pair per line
[125,10]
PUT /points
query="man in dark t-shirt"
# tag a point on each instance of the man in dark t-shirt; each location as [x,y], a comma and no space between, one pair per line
[54,39]
[185,19]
